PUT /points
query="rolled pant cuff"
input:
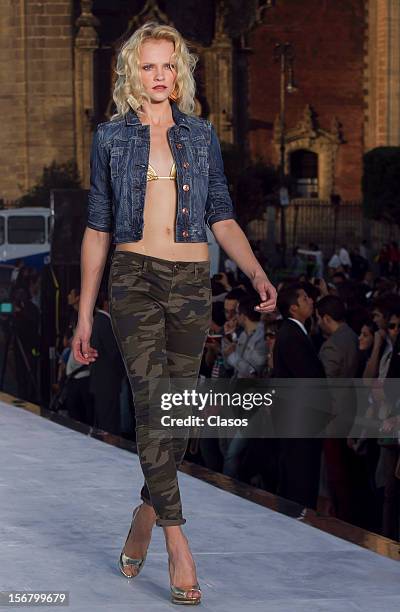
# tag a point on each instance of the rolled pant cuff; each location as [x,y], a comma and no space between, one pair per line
[170,522]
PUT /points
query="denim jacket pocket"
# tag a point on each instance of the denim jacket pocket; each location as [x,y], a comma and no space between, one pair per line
[116,161]
[200,158]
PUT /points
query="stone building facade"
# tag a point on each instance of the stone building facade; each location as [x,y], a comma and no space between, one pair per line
[347,72]
[37,90]
[325,114]
[56,80]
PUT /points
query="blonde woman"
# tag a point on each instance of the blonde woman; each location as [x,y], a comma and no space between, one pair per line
[156,178]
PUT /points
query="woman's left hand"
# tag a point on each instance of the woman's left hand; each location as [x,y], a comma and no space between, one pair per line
[267,293]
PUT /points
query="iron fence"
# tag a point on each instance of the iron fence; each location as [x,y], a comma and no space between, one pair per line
[327,225]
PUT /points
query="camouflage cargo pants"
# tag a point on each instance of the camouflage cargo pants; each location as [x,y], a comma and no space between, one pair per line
[160,313]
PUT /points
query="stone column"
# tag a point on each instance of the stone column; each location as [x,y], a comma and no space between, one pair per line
[86,43]
[382,74]
[218,78]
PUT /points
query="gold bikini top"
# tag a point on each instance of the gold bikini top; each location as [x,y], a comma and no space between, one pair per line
[153,176]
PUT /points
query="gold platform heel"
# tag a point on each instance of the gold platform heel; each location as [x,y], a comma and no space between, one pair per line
[180,596]
[125,560]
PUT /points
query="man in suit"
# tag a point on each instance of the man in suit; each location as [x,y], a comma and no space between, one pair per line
[339,355]
[296,413]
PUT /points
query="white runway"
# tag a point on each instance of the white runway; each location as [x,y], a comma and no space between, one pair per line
[66,502]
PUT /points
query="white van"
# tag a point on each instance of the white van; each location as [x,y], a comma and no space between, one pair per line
[25,233]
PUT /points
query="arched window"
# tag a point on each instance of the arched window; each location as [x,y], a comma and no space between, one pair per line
[304,171]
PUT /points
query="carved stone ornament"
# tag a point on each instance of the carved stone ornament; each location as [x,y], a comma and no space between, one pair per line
[150,12]
[86,25]
[309,136]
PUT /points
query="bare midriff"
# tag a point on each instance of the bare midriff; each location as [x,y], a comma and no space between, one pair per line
[159,215]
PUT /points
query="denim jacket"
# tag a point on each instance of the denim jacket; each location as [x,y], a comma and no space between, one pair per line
[250,355]
[119,160]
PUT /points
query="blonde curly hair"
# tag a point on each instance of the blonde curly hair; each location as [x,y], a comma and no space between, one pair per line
[128,89]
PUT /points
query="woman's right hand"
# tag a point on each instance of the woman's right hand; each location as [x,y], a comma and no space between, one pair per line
[80,345]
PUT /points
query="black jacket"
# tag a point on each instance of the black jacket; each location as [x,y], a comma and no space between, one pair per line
[294,354]
[301,407]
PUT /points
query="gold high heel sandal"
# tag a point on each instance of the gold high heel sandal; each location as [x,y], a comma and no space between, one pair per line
[180,596]
[124,560]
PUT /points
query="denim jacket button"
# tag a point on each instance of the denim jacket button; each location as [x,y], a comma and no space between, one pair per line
[185,210]
[186,164]
[178,145]
[185,233]
[185,187]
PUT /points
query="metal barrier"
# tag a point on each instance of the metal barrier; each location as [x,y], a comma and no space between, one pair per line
[329,226]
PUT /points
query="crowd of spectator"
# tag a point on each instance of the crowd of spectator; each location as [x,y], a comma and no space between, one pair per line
[96,393]
[344,324]
[22,330]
